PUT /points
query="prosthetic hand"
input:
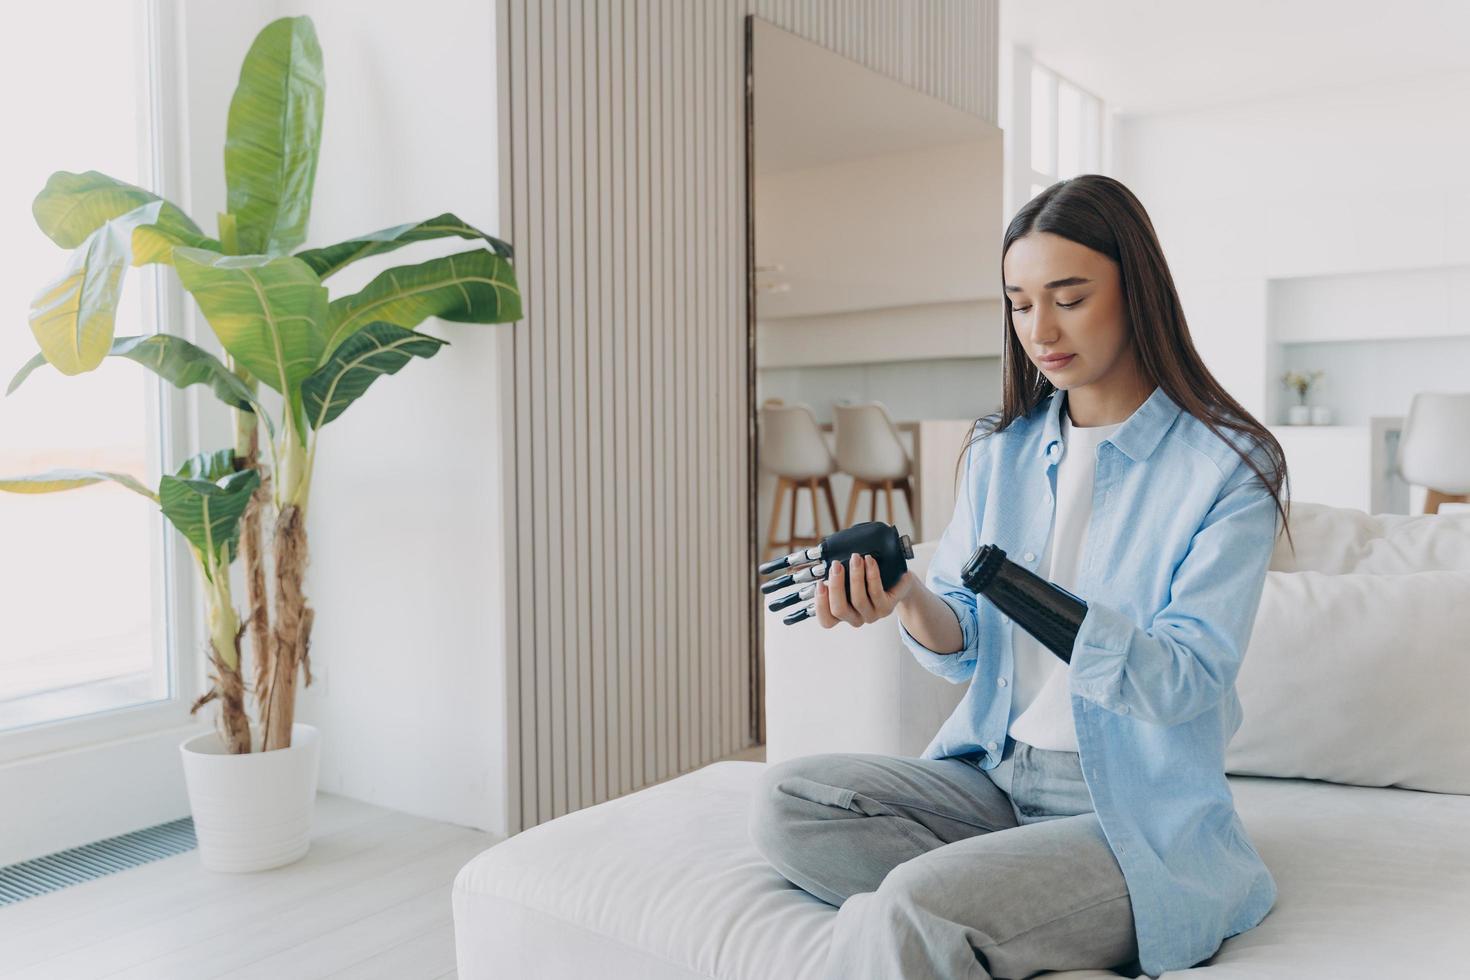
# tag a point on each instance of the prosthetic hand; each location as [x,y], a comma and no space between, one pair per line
[875,538]
[1045,610]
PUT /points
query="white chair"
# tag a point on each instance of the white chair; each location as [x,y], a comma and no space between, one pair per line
[870,451]
[793,448]
[1434,450]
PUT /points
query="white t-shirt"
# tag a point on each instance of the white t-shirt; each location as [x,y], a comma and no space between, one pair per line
[1041,705]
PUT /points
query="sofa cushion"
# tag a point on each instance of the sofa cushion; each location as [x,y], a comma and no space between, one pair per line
[1361,679]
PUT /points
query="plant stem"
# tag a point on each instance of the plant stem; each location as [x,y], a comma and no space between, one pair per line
[292,628]
[224,656]
[257,599]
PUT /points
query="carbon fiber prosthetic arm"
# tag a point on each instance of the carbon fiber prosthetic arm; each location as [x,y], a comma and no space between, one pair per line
[1044,609]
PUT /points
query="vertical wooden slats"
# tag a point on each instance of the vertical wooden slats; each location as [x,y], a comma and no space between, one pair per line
[628,500]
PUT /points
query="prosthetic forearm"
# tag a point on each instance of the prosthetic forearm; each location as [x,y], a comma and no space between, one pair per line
[882,541]
[1045,610]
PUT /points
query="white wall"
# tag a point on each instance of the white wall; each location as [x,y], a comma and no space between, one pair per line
[1332,183]
[895,229]
[404,522]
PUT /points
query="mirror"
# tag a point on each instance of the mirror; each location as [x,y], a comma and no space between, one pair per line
[876,214]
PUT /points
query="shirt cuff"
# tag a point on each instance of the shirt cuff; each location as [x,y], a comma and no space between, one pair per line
[1099,654]
[947,663]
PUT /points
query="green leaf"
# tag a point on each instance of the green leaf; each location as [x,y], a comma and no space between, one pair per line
[375,350]
[469,287]
[272,137]
[25,372]
[178,362]
[73,318]
[72,206]
[182,364]
[208,513]
[325,261]
[266,311]
[53,480]
[208,466]
[156,242]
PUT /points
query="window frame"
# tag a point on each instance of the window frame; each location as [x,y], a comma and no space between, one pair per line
[172,418]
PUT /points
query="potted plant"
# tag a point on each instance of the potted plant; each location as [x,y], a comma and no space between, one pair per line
[1301,382]
[295,359]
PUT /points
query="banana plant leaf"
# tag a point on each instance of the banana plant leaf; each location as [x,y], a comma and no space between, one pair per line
[208,513]
[54,480]
[210,466]
[375,350]
[176,361]
[273,133]
[267,312]
[468,287]
[73,206]
[73,318]
[332,258]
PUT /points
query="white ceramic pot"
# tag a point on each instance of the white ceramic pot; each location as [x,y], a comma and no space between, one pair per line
[1322,415]
[253,811]
[1299,415]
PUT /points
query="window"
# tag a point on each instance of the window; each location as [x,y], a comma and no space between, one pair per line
[84,574]
[1066,129]
[1055,128]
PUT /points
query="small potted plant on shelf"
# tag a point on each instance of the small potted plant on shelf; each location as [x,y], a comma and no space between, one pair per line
[1300,382]
[252,782]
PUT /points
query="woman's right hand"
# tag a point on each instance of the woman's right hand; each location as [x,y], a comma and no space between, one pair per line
[870,602]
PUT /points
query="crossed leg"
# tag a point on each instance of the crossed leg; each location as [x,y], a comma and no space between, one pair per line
[934,876]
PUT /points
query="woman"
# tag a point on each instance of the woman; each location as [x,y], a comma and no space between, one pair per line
[1065,816]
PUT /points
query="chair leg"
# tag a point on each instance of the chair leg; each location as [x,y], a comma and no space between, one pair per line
[852,500]
[1433,498]
[908,501]
[771,542]
[888,498]
[831,503]
[816,516]
[873,502]
[791,529]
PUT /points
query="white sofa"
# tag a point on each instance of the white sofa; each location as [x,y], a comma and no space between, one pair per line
[1358,672]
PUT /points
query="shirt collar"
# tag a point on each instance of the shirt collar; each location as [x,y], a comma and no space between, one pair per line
[1138,436]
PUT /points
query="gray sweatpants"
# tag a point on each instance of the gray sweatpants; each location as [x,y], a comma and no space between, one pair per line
[942,870]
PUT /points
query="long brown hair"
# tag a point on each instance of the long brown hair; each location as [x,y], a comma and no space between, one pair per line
[1100,213]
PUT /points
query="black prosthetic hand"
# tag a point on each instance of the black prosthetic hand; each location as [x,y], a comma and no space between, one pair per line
[882,541]
[1045,610]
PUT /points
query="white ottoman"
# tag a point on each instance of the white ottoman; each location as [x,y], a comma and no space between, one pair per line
[656,885]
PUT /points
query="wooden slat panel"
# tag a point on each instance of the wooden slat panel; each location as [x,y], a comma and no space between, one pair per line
[628,508]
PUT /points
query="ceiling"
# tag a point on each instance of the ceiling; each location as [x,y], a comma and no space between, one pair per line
[1147,56]
[814,107]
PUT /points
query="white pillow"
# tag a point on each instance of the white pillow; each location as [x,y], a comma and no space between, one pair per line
[1342,540]
[1360,679]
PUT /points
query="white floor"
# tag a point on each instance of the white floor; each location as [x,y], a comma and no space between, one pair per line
[369,900]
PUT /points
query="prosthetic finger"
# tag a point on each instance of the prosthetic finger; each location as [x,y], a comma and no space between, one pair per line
[805,612]
[813,553]
[803,593]
[808,574]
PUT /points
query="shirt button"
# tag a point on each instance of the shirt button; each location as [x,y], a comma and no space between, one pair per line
[1123,708]
[1001,682]
[1005,619]
[1029,556]
[991,746]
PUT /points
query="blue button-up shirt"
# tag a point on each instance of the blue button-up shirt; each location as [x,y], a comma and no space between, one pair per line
[1174,563]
